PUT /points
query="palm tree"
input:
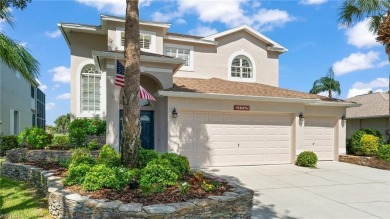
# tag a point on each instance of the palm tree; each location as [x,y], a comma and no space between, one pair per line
[15,55]
[327,83]
[376,10]
[62,123]
[131,142]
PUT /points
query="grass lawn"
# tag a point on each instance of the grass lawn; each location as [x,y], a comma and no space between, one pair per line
[19,200]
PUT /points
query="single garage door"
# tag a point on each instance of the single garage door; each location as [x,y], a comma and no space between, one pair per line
[319,136]
[226,139]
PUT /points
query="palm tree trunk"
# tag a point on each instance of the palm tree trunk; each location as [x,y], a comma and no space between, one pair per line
[330,93]
[131,123]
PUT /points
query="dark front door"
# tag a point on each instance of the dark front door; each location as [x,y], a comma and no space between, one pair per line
[147,129]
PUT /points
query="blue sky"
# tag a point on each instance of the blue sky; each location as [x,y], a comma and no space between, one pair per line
[307,28]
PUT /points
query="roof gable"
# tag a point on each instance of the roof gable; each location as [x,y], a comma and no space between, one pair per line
[372,105]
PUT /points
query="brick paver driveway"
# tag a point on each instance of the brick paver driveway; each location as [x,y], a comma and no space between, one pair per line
[332,190]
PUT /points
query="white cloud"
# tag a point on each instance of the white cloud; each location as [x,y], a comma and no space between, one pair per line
[357,61]
[64,96]
[61,74]
[203,31]
[160,17]
[115,7]
[376,85]
[50,106]
[41,86]
[360,36]
[53,34]
[268,19]
[312,2]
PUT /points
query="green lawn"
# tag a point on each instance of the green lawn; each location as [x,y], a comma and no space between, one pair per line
[18,200]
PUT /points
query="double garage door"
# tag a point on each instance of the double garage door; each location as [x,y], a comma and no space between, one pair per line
[226,139]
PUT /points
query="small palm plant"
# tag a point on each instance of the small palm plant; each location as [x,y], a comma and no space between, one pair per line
[326,84]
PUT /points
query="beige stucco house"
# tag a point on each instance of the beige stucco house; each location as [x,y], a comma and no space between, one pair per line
[372,114]
[224,89]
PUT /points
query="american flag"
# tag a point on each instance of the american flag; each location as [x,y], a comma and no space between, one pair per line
[120,74]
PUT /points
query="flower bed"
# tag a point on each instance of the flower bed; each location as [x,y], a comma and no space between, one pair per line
[236,203]
[365,161]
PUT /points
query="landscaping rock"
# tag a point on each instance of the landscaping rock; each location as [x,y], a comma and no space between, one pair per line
[365,161]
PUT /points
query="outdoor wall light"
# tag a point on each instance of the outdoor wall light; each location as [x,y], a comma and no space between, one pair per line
[174,113]
[301,116]
[343,118]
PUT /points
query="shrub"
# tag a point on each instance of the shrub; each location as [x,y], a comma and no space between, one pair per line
[101,176]
[146,156]
[77,137]
[93,145]
[349,146]
[96,126]
[179,162]
[384,152]
[61,141]
[81,123]
[356,147]
[35,138]
[369,145]
[157,174]
[8,142]
[49,138]
[65,163]
[76,174]
[307,159]
[82,156]
[109,157]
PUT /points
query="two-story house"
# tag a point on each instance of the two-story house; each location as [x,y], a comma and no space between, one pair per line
[217,97]
[22,103]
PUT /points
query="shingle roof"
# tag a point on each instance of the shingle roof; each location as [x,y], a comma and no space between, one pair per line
[220,86]
[184,35]
[373,105]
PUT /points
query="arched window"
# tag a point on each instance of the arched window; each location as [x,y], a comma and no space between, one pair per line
[241,67]
[90,90]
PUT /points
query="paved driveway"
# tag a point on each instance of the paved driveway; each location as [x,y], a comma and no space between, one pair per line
[332,190]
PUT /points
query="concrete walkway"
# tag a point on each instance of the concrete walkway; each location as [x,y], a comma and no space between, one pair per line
[332,190]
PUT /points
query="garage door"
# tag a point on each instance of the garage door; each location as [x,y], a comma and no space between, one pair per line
[319,136]
[226,139]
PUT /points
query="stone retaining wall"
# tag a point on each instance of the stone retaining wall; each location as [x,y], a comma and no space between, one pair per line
[25,155]
[237,203]
[365,161]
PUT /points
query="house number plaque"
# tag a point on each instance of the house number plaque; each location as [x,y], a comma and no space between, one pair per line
[242,107]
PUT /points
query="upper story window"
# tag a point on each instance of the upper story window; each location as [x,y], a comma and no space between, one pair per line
[147,40]
[241,67]
[90,90]
[182,52]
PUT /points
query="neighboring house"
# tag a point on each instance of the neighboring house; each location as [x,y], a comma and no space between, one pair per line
[372,114]
[22,103]
[224,89]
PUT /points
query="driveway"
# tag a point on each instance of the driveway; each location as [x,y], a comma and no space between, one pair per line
[332,190]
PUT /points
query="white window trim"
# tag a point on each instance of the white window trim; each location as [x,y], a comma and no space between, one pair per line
[153,40]
[191,48]
[231,58]
[103,86]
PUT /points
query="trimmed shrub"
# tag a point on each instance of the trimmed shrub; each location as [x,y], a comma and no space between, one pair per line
[101,176]
[179,162]
[369,145]
[146,156]
[35,138]
[307,159]
[108,157]
[77,137]
[384,152]
[82,156]
[157,174]
[8,142]
[96,126]
[76,174]
[61,141]
[356,147]
[93,145]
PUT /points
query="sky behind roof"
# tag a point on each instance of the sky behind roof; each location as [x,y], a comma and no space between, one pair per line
[307,28]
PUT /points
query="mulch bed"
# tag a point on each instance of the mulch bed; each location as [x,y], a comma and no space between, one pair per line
[170,195]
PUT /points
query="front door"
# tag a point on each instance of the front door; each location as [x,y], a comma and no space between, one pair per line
[147,129]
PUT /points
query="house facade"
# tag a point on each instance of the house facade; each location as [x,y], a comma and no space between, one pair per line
[217,97]
[372,114]
[22,103]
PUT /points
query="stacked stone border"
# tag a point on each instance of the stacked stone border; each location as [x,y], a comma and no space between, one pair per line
[236,203]
[23,155]
[365,161]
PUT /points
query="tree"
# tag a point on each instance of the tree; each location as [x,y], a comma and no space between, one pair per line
[13,54]
[131,142]
[327,83]
[62,123]
[375,10]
